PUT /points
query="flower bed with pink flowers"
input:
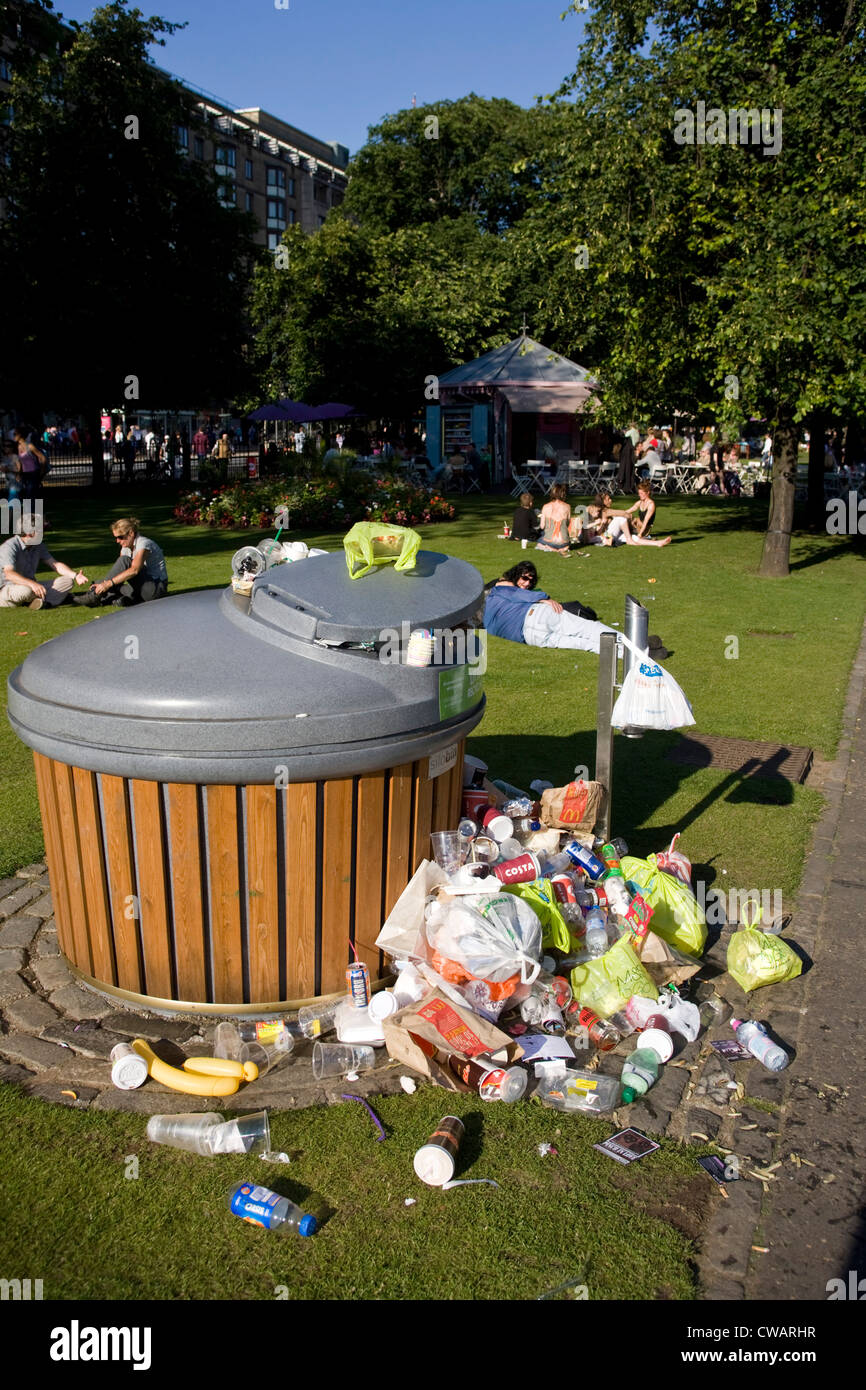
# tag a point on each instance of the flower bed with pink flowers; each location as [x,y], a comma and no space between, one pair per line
[314,503]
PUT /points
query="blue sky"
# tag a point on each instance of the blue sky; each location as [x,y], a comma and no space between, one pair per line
[335,67]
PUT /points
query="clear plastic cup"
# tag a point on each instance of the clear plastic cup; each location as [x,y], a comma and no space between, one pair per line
[227,1042]
[448,849]
[266,1058]
[246,1134]
[316,1019]
[193,1133]
[341,1059]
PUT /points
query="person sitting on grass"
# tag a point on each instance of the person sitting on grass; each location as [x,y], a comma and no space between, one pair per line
[526,525]
[646,508]
[20,559]
[610,527]
[138,575]
[555,518]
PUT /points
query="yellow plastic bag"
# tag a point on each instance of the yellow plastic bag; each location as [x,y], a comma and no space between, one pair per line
[678,917]
[758,958]
[371,543]
[606,984]
[545,905]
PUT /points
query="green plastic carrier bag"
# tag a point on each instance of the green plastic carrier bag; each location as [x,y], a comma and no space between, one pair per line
[678,917]
[371,543]
[758,958]
[606,984]
[542,899]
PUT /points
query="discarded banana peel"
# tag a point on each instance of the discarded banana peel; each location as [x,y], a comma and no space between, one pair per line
[191,1083]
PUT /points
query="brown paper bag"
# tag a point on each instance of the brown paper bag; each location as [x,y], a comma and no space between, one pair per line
[437,1020]
[665,964]
[576,807]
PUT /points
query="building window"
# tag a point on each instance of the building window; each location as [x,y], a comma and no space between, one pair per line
[248,169]
[183,139]
[291,188]
[274,239]
[277,213]
[198,147]
[225,158]
[320,192]
[321,221]
[248,201]
[227,195]
[293,217]
[5,70]
[276,177]
[336,198]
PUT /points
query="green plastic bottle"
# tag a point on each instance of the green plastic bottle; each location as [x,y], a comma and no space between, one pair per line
[641,1071]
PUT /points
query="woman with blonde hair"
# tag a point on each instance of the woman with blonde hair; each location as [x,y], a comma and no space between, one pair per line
[138,575]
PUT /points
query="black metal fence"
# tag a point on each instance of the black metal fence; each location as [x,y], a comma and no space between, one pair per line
[73,467]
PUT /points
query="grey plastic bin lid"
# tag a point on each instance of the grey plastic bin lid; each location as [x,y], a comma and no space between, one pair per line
[217,687]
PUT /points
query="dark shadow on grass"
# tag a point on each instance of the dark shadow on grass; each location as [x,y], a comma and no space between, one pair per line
[854,545]
[643,778]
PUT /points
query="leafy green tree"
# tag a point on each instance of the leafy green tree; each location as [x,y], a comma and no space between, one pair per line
[413,274]
[478,157]
[129,274]
[723,275]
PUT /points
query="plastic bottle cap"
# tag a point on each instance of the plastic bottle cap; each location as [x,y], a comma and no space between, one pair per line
[627,1095]
[308,1226]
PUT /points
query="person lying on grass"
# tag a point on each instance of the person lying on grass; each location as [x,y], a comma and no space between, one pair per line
[519,612]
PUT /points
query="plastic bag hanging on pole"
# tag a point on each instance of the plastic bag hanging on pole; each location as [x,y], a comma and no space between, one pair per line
[371,543]
[650,697]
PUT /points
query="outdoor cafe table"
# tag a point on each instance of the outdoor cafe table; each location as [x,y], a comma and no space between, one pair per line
[537,483]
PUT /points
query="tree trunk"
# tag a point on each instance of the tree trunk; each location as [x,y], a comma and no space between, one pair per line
[777,542]
[817,509]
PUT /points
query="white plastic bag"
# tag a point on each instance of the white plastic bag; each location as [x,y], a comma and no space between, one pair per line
[493,938]
[650,697]
[485,947]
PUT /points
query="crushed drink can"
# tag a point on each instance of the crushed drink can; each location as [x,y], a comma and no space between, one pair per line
[564,888]
[358,984]
[585,859]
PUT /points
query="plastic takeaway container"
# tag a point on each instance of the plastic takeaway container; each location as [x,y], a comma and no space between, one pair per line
[234,787]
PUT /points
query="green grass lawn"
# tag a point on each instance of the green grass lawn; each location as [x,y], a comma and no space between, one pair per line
[626,1233]
[89,1231]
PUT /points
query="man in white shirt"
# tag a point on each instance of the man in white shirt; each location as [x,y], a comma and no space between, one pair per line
[20,558]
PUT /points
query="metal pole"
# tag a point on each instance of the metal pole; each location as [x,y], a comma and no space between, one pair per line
[603,729]
[636,628]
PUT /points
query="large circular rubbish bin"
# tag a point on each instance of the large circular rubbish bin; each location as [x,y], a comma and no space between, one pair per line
[236,789]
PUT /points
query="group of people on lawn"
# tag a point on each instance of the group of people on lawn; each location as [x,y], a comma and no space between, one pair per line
[557,528]
[138,575]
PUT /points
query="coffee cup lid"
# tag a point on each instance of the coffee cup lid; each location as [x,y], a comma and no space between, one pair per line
[382,1005]
[434,1165]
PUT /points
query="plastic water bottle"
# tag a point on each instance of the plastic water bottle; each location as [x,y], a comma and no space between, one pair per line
[641,1071]
[753,1036]
[262,1207]
[596,932]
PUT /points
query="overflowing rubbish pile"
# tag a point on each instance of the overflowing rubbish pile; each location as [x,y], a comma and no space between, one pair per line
[532,961]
